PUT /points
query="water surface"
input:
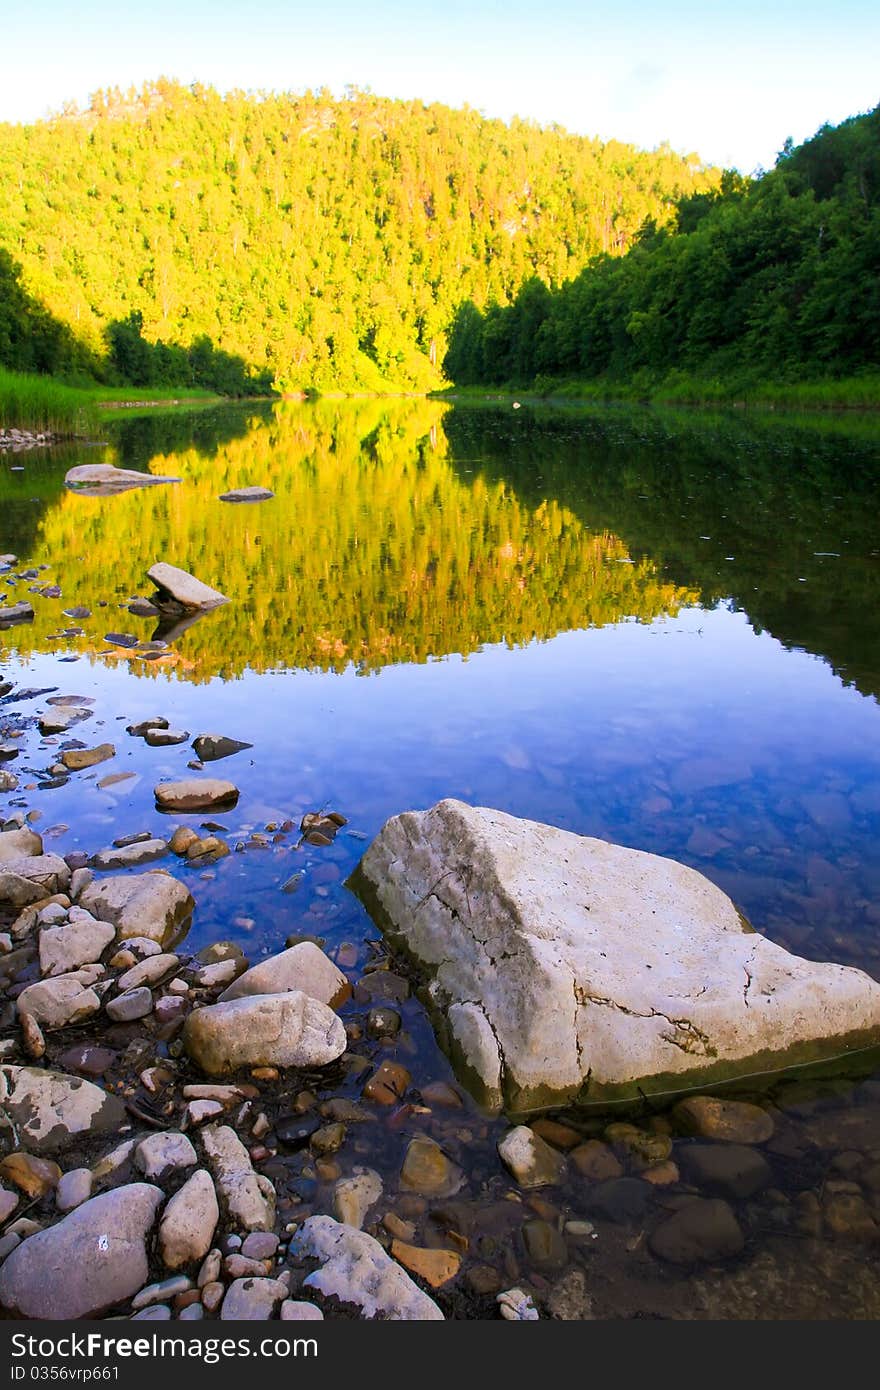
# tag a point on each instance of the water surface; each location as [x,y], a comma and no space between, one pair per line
[661,630]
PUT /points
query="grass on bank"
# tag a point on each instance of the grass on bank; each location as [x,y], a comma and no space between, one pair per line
[45,406]
[679,388]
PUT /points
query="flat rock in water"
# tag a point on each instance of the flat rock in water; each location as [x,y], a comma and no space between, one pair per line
[569,968]
[105,480]
[303,967]
[211,747]
[75,759]
[163,738]
[178,586]
[153,904]
[356,1269]
[49,1108]
[15,613]
[94,1258]
[247,494]
[143,852]
[196,794]
[279,1030]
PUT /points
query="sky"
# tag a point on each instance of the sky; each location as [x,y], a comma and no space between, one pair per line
[726,81]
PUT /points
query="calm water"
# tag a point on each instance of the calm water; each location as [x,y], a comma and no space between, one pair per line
[658,630]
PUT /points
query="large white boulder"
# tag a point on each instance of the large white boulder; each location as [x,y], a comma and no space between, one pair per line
[565,967]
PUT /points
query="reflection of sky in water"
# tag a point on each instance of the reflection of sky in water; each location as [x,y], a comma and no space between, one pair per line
[690,736]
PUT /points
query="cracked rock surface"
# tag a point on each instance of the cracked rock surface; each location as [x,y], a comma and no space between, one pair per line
[565,966]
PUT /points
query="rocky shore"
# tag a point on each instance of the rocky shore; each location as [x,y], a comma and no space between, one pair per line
[15,441]
[212,1134]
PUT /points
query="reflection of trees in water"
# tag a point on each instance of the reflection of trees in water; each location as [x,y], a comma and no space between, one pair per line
[690,489]
[374,550]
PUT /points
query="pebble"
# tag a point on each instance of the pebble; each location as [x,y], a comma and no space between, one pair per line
[428,1171]
[260,1245]
[517,1306]
[134,1004]
[294,1311]
[388,1084]
[163,1153]
[162,1291]
[74,1188]
[596,1161]
[529,1159]
[436,1267]
[252,1299]
[189,1222]
[727,1169]
[34,1176]
[210,1270]
[212,1296]
[353,1197]
[705,1230]
[545,1247]
[732,1121]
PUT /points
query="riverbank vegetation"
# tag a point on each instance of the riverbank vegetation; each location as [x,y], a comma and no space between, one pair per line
[763,291]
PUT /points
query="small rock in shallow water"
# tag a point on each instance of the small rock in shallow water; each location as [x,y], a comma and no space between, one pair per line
[388,1084]
[212,747]
[78,758]
[289,1030]
[436,1267]
[195,794]
[530,1161]
[596,1161]
[164,738]
[353,1197]
[728,1170]
[735,1122]
[705,1230]
[428,1171]
[128,856]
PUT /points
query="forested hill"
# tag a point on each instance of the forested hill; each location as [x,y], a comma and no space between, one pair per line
[778,278]
[328,240]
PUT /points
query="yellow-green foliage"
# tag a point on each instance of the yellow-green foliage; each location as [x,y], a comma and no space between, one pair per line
[375,550]
[330,241]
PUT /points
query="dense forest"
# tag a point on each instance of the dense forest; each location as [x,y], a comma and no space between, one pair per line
[325,243]
[777,276]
